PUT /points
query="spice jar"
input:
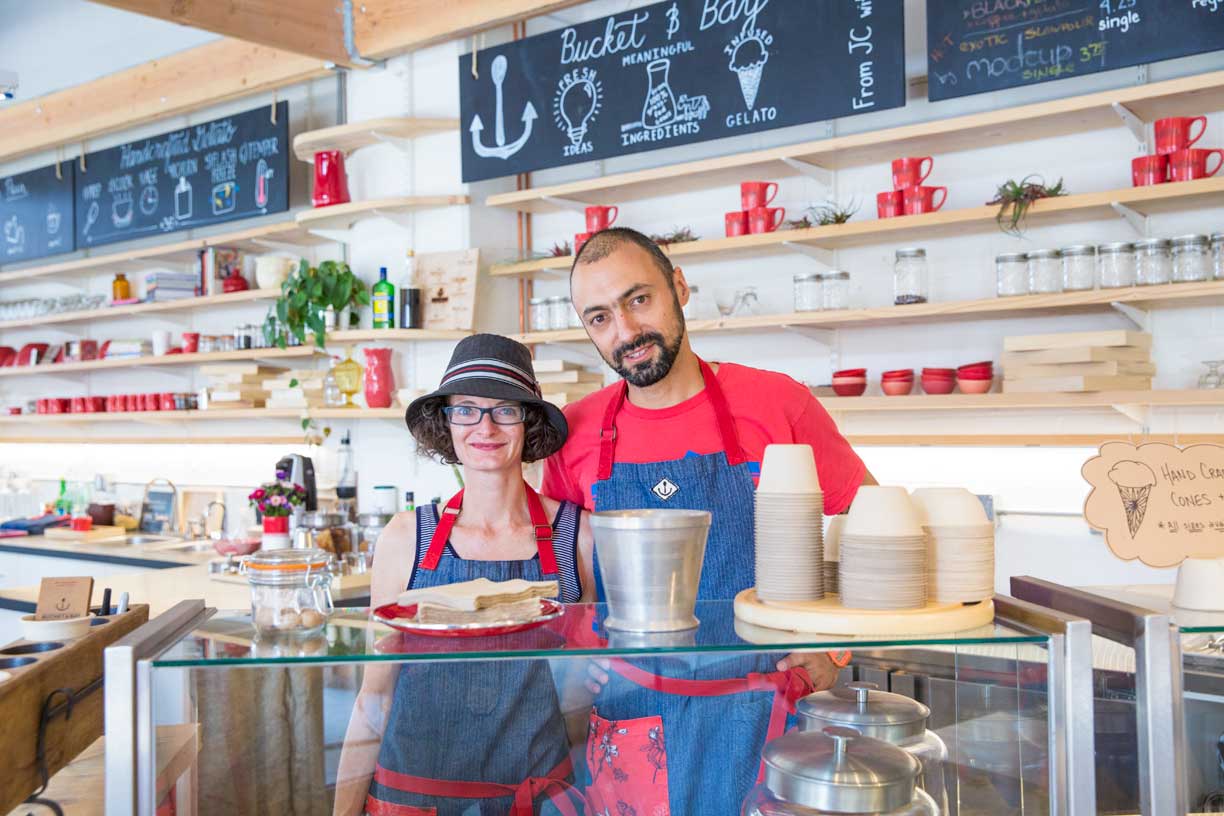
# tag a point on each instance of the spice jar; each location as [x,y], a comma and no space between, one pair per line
[1217,254]
[1011,274]
[1191,258]
[538,314]
[835,290]
[1045,272]
[1117,265]
[290,590]
[911,281]
[808,296]
[1153,262]
[1079,267]
[242,338]
[558,317]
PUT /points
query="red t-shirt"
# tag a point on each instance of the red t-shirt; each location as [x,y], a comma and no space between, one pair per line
[767,408]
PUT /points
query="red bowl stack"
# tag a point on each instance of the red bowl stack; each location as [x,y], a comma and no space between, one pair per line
[938,380]
[975,378]
[897,383]
[850,382]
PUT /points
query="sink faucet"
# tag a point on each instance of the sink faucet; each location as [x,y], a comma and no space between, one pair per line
[218,533]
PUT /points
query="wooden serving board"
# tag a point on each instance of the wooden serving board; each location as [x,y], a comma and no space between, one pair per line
[829,617]
[1043,385]
[68,534]
[1077,354]
[1040,342]
[1111,368]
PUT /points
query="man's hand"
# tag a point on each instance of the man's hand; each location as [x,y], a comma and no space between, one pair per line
[819,665]
[597,674]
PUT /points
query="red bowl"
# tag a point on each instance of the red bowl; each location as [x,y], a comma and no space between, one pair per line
[851,372]
[982,364]
[850,390]
[899,372]
[974,376]
[975,370]
[975,386]
[939,371]
[896,388]
[938,386]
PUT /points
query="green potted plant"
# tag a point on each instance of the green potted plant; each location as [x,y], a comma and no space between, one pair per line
[304,298]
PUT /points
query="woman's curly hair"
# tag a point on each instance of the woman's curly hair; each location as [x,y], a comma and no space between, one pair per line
[433,433]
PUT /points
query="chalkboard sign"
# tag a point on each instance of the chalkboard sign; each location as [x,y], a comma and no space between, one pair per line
[223,170]
[974,46]
[36,214]
[673,73]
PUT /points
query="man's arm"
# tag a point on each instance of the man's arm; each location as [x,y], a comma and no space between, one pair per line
[558,483]
[841,470]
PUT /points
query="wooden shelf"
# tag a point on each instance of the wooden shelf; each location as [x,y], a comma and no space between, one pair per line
[343,216]
[1142,200]
[1021,440]
[162,417]
[1196,294]
[394,335]
[993,402]
[1178,97]
[141,309]
[356,135]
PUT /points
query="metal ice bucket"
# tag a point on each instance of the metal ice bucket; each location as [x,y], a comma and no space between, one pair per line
[650,563]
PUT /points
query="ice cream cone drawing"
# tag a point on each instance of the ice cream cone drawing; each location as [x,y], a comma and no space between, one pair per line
[1134,481]
[749,52]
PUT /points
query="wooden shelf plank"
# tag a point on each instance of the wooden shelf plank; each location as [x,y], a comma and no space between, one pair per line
[393,335]
[164,417]
[1020,440]
[1043,120]
[342,216]
[993,402]
[355,135]
[140,309]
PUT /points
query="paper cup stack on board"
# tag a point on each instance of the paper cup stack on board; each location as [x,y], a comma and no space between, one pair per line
[883,552]
[832,551]
[960,540]
[789,526]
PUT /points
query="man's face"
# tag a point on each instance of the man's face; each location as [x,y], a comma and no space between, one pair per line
[631,313]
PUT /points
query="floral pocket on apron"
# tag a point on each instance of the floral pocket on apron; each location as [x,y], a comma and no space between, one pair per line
[627,761]
[377,807]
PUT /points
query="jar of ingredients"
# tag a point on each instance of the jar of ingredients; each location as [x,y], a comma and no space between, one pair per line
[575,320]
[1011,274]
[1191,258]
[807,292]
[1217,254]
[911,281]
[1117,264]
[538,314]
[835,290]
[330,532]
[1045,272]
[121,288]
[1153,262]
[558,314]
[1079,267]
[290,590]
[370,527]
[242,338]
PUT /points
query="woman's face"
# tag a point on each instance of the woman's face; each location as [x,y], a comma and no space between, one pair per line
[487,445]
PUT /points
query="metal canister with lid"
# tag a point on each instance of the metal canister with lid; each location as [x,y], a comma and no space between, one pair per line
[837,770]
[370,527]
[883,715]
[326,531]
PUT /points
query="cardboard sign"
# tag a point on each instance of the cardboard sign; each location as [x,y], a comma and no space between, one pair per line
[1157,502]
[449,281]
[63,598]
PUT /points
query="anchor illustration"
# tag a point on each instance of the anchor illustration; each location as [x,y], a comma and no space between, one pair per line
[503,150]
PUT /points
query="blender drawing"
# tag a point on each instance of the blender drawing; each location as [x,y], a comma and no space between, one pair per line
[182,199]
[262,174]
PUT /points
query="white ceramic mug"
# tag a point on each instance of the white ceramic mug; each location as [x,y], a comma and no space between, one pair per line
[161,342]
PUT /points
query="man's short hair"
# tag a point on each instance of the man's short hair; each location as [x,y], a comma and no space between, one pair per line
[605,242]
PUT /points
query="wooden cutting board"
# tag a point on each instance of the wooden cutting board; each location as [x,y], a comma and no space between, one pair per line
[1042,385]
[1078,354]
[95,534]
[1110,368]
[829,617]
[1038,342]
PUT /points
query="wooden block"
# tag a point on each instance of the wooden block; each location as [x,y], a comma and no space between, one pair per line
[553,366]
[223,369]
[1104,369]
[1078,354]
[571,376]
[1108,339]
[1076,384]
[231,406]
[245,395]
[571,388]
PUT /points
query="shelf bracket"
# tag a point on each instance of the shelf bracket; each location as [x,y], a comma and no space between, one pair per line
[821,175]
[398,142]
[824,256]
[1134,124]
[565,203]
[1140,317]
[403,220]
[336,236]
[295,249]
[1137,220]
[1141,415]
[826,337]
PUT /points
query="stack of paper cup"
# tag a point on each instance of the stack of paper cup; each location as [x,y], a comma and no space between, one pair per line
[883,552]
[960,542]
[789,526]
[832,552]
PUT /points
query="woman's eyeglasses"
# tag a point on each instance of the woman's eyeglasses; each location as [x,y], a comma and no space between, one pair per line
[473,415]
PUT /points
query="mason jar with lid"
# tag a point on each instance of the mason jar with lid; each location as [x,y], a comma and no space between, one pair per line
[1045,271]
[1011,274]
[1191,258]
[558,313]
[911,280]
[808,296]
[538,314]
[1217,254]
[290,590]
[1117,264]
[575,319]
[1153,262]
[1079,267]
[835,290]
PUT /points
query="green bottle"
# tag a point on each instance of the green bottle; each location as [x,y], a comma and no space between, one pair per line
[62,505]
[383,299]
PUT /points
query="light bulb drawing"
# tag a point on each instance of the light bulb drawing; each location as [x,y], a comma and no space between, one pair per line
[577,102]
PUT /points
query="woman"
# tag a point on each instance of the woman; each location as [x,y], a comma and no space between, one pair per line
[471,737]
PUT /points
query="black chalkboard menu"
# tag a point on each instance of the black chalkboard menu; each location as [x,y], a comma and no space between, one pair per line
[229,168]
[674,73]
[36,214]
[974,46]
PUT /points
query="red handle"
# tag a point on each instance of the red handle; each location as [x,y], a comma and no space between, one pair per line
[1190,140]
[930,165]
[613,212]
[935,206]
[781,211]
[1219,154]
[770,196]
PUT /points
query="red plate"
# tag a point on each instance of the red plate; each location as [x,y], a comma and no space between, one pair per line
[403,618]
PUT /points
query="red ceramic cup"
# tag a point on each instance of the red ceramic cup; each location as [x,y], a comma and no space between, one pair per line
[152,402]
[110,403]
[765,219]
[755,194]
[581,238]
[1147,170]
[1173,133]
[890,204]
[166,401]
[191,342]
[922,199]
[330,179]
[95,405]
[1190,164]
[135,402]
[737,223]
[908,172]
[14,410]
[600,218]
[40,406]
[76,405]
[61,405]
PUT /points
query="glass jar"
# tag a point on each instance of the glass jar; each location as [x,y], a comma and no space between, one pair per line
[1117,265]
[692,309]
[911,280]
[121,288]
[1191,258]
[290,590]
[1045,272]
[1153,262]
[538,314]
[242,338]
[808,297]
[1079,267]
[1011,274]
[575,319]
[558,313]
[835,290]
[1217,254]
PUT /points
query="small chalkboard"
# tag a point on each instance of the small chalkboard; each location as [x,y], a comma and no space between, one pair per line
[158,510]
[230,168]
[975,46]
[36,214]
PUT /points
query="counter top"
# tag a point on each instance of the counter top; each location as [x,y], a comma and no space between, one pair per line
[116,551]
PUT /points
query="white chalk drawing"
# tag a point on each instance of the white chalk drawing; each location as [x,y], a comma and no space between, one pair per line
[662,108]
[55,219]
[262,175]
[182,199]
[91,217]
[122,210]
[577,102]
[148,200]
[673,21]
[502,150]
[749,51]
[14,236]
[224,197]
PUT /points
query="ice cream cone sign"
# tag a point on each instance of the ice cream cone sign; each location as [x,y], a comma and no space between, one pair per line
[1157,502]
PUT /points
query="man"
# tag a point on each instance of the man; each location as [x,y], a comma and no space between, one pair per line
[680,433]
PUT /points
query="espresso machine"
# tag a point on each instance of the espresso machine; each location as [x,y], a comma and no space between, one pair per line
[300,470]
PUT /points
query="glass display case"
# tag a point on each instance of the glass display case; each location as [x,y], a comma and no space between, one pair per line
[291,724]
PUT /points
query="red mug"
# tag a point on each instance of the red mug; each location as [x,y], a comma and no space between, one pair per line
[40,406]
[908,172]
[191,342]
[1191,163]
[737,223]
[134,402]
[330,180]
[580,239]
[14,410]
[765,219]
[1173,133]
[890,204]
[76,405]
[600,218]
[755,194]
[95,405]
[110,403]
[58,405]
[1146,170]
[922,199]
[166,401]
[152,402]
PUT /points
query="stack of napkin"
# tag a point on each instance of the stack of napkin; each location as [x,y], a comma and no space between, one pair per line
[480,601]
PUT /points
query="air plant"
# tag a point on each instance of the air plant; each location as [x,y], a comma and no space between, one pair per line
[832,212]
[561,250]
[679,235]
[1015,198]
[797,224]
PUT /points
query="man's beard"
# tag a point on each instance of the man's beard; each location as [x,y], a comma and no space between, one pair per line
[649,372]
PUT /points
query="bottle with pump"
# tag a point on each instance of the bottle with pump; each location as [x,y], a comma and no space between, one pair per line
[383,301]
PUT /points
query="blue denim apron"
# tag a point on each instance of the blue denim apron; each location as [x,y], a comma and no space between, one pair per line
[497,745]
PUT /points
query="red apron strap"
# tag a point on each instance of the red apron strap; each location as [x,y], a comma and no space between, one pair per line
[543,532]
[446,523]
[607,433]
[553,785]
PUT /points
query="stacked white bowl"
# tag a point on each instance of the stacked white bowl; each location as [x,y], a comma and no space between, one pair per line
[832,551]
[960,540]
[883,552]
[789,526]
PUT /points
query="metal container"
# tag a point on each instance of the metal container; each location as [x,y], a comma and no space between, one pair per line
[651,561]
[370,527]
[837,770]
[326,531]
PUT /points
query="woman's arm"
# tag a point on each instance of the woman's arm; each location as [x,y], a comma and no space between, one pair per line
[393,556]
[586,558]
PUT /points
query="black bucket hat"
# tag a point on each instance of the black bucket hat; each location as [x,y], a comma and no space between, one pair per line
[492,366]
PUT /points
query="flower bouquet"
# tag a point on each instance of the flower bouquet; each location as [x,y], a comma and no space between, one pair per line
[275,502]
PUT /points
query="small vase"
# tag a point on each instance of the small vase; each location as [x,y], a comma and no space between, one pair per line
[276,524]
[379,379]
[275,533]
